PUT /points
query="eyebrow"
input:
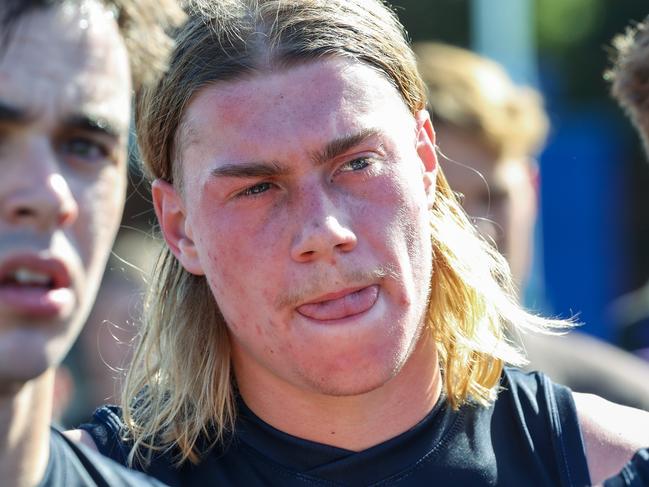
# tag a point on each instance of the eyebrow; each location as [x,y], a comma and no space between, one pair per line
[271,169]
[341,145]
[80,121]
[249,170]
[10,114]
[89,123]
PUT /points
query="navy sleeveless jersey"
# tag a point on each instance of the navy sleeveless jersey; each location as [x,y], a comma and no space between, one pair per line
[529,436]
[634,474]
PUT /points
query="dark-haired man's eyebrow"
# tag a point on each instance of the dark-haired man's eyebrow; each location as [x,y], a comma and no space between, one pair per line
[13,115]
[97,125]
[10,114]
[341,145]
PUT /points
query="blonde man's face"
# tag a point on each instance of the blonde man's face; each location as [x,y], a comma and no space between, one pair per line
[305,204]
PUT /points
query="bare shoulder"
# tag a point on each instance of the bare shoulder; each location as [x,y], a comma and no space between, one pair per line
[612,434]
[81,436]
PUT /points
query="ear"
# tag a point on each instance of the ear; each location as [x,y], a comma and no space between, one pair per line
[426,152]
[170,210]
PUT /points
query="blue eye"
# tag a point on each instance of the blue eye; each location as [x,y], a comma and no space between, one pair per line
[358,164]
[256,189]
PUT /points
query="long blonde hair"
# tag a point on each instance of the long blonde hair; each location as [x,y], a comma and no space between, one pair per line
[179,389]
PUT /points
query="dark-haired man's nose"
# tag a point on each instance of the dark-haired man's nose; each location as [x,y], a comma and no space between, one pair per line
[40,197]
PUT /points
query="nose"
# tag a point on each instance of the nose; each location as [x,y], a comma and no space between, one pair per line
[39,195]
[321,233]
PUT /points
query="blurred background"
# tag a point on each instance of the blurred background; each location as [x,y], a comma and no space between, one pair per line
[592,233]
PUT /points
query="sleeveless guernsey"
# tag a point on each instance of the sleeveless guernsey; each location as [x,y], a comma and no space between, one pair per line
[529,436]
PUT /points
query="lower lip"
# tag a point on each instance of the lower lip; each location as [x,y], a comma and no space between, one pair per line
[348,306]
[36,302]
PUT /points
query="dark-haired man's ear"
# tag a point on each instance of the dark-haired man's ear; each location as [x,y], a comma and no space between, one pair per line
[426,152]
[172,216]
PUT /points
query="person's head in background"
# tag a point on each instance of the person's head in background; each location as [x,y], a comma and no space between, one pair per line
[68,70]
[488,132]
[629,76]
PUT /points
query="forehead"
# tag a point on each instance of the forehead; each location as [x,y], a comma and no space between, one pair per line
[67,58]
[311,101]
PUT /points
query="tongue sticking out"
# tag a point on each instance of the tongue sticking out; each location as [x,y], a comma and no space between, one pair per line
[343,307]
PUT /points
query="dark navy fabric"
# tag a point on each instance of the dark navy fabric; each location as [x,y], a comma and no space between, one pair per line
[73,465]
[634,474]
[530,436]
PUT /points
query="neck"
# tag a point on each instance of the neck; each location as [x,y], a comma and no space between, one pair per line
[25,413]
[354,422]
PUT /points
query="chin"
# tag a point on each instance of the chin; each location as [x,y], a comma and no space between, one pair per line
[16,371]
[347,388]
[354,380]
[25,354]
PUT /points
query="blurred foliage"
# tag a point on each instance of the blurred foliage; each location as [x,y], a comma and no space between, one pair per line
[564,23]
[572,35]
[444,20]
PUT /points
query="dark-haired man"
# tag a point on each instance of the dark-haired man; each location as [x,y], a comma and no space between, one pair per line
[67,71]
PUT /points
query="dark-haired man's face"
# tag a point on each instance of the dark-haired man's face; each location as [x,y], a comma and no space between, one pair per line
[64,114]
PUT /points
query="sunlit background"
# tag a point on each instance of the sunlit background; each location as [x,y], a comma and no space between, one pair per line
[593,233]
[592,239]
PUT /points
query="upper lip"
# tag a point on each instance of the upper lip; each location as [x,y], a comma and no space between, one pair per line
[36,262]
[334,295]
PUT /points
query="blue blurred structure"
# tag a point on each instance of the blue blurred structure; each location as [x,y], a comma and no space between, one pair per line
[580,259]
[506,34]
[583,206]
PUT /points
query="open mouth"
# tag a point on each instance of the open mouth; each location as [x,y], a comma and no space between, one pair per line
[33,286]
[23,277]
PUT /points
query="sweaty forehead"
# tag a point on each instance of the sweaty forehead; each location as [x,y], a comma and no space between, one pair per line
[332,93]
[69,57]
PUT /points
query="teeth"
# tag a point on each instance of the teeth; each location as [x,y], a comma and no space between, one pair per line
[26,276]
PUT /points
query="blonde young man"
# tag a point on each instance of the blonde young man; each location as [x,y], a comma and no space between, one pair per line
[325,313]
[489,131]
[67,71]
